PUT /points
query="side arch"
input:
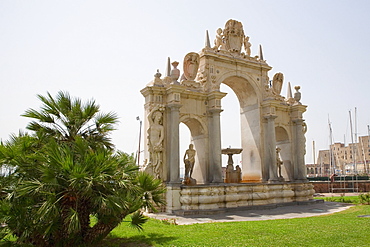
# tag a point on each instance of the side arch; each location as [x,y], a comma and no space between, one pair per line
[199,138]
[283,141]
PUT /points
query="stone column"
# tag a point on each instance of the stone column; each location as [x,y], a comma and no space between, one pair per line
[173,145]
[299,144]
[215,169]
[270,166]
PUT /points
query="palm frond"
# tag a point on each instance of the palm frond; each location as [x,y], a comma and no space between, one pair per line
[137,220]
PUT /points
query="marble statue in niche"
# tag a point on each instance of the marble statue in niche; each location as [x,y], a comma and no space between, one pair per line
[189,161]
[156,137]
[279,162]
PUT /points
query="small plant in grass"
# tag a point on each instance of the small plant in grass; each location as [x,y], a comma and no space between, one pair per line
[365,198]
[169,221]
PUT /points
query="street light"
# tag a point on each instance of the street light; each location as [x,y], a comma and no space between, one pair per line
[138,151]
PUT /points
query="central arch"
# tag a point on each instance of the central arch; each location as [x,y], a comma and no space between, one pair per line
[247,95]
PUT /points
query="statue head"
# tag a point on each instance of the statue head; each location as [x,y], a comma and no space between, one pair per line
[157,117]
[191,146]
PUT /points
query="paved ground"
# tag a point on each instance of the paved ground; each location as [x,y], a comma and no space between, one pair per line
[281,212]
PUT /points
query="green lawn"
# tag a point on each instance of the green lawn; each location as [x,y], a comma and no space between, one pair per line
[340,229]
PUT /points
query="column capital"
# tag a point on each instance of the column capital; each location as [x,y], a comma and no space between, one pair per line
[298,121]
[270,117]
[174,106]
[215,110]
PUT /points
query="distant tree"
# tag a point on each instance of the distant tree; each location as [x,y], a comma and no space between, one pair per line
[66,172]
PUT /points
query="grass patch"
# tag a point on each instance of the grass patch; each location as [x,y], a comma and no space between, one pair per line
[340,229]
[363,198]
[344,199]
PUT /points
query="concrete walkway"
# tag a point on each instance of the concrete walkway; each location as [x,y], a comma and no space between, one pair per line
[279,212]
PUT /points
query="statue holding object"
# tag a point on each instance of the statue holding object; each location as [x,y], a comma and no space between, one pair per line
[189,161]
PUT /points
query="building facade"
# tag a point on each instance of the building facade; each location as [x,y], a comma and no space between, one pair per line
[342,160]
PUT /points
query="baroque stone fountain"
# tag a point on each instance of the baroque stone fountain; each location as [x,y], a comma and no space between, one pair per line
[232,176]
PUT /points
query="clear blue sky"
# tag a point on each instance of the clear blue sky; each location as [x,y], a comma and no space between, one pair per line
[109,51]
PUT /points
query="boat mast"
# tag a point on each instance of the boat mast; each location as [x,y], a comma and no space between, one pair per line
[331,165]
[353,145]
[368,145]
[356,140]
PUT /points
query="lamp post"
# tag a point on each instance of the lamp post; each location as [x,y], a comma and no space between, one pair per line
[138,151]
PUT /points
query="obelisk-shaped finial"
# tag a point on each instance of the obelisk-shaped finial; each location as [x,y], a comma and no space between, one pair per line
[168,69]
[261,54]
[289,93]
[208,43]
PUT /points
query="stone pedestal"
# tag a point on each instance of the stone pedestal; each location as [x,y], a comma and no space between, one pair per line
[208,199]
[189,181]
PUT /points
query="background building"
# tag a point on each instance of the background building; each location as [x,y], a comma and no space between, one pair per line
[342,160]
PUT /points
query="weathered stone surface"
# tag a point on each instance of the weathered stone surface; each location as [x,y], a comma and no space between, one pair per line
[268,120]
[242,195]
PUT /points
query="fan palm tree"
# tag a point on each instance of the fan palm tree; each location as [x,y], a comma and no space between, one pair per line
[64,118]
[68,172]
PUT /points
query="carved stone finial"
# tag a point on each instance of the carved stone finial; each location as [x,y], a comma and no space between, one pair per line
[175,72]
[208,43]
[261,53]
[289,97]
[157,80]
[168,69]
[157,75]
[289,93]
[297,94]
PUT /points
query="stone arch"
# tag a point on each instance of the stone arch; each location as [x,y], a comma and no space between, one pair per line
[199,139]
[244,86]
[249,96]
[283,141]
[267,120]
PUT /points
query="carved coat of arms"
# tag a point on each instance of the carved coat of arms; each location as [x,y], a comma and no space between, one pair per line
[191,65]
[233,36]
